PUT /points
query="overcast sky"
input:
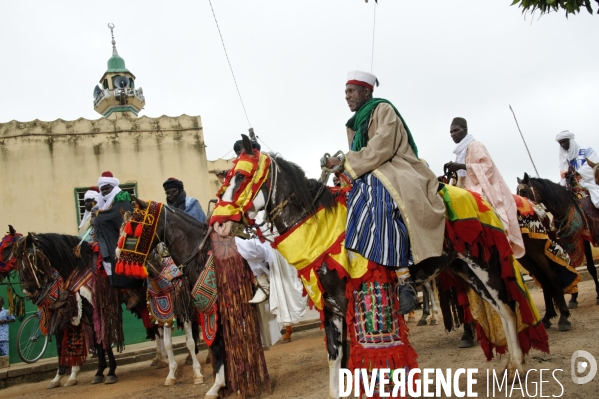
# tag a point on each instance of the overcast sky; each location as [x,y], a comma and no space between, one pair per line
[435,60]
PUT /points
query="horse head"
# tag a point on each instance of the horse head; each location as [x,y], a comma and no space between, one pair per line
[525,188]
[243,193]
[8,262]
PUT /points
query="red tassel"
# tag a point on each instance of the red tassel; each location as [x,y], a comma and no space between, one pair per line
[129,229]
[121,242]
[119,267]
[127,269]
[138,230]
[144,272]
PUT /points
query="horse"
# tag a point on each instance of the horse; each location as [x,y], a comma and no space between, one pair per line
[164,283]
[189,244]
[288,197]
[570,219]
[40,259]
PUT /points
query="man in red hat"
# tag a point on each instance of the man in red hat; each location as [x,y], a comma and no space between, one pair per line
[107,224]
[394,213]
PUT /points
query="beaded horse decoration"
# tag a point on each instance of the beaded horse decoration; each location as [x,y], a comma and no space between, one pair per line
[136,241]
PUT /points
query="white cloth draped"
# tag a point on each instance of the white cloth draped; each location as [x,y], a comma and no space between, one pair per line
[105,202]
[460,152]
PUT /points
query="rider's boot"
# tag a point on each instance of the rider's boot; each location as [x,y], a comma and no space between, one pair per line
[263,289]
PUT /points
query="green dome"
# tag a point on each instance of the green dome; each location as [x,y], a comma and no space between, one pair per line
[116,64]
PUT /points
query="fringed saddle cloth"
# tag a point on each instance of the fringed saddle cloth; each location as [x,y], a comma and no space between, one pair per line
[204,296]
[536,223]
[160,301]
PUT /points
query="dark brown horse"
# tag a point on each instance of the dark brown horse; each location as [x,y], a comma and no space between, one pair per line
[36,257]
[288,197]
[569,219]
[189,245]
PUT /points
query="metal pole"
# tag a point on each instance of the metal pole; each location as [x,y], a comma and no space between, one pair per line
[521,135]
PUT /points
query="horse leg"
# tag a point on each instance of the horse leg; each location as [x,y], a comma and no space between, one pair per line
[195,333]
[425,305]
[172,363]
[588,252]
[73,377]
[218,364]
[432,289]
[55,383]
[198,378]
[99,377]
[161,355]
[111,376]
[467,340]
[496,297]
[333,325]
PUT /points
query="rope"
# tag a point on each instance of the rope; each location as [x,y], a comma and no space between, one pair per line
[373,29]
[230,67]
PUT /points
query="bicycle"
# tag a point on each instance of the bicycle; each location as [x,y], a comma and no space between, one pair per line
[31,343]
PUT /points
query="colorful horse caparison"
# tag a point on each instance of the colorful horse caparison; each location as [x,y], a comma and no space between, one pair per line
[576,219]
[237,359]
[311,220]
[67,291]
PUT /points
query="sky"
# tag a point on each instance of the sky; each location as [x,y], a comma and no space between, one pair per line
[435,60]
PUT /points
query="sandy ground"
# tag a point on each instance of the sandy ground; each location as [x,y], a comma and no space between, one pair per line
[300,369]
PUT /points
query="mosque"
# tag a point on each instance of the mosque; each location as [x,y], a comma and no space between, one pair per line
[47,167]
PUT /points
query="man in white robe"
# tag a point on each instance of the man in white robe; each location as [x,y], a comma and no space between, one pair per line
[572,155]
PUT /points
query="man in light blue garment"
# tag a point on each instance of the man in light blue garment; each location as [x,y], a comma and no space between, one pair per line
[177,198]
[5,318]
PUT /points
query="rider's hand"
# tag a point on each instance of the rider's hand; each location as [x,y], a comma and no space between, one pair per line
[332,162]
[454,166]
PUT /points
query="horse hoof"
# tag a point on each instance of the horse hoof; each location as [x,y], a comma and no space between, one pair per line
[411,319]
[466,343]
[198,380]
[110,379]
[53,384]
[161,365]
[421,322]
[567,326]
[434,322]
[574,305]
[98,379]
[546,323]
[170,381]
[285,340]
[70,383]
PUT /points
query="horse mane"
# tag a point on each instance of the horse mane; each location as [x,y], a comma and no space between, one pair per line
[555,196]
[305,189]
[58,248]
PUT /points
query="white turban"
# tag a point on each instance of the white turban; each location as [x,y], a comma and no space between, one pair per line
[91,194]
[362,79]
[566,156]
[105,202]
[566,134]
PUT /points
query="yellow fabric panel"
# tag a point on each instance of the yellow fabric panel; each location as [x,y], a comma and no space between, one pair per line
[464,205]
[353,263]
[244,166]
[313,290]
[225,210]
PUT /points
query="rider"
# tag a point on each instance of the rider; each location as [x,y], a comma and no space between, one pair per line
[394,215]
[107,224]
[90,199]
[178,198]
[477,172]
[572,155]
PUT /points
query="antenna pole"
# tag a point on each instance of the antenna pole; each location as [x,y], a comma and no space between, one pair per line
[525,145]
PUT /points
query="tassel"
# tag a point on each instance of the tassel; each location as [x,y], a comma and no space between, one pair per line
[144,272]
[120,269]
[127,269]
[77,251]
[138,230]
[129,229]
[121,242]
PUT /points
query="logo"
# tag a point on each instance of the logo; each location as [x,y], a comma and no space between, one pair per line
[579,367]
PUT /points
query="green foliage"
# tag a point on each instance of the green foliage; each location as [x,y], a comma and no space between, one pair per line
[546,6]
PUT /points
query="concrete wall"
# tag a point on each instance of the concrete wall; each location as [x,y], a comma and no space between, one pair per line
[41,163]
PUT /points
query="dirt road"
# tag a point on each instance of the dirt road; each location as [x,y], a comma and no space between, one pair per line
[300,369]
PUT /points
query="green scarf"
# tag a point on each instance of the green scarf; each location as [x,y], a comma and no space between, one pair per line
[359,123]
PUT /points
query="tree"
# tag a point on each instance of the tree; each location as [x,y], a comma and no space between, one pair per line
[546,6]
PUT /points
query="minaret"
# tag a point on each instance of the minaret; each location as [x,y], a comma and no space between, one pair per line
[116,95]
